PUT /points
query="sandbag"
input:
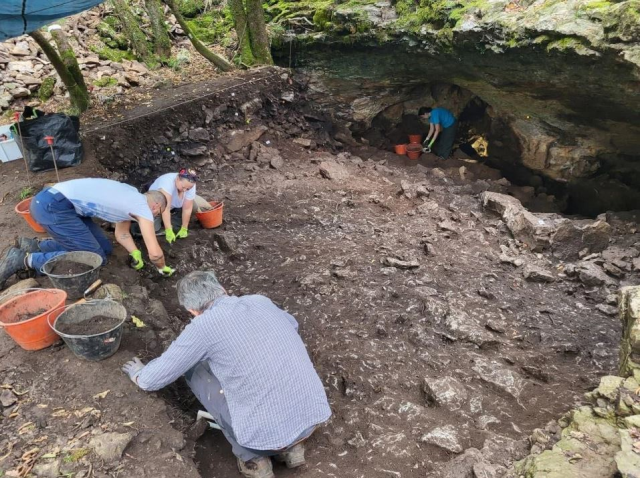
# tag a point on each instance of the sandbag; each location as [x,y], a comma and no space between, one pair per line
[66,141]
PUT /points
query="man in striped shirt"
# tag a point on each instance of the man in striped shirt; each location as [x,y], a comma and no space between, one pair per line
[244,360]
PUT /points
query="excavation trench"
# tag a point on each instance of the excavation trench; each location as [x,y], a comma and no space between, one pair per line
[320,248]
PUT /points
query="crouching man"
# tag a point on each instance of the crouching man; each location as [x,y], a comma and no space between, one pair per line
[244,360]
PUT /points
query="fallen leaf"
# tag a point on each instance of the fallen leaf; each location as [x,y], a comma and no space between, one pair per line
[138,323]
[101,395]
[49,455]
[128,424]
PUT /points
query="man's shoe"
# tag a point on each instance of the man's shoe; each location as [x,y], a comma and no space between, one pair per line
[12,262]
[257,468]
[28,244]
[293,457]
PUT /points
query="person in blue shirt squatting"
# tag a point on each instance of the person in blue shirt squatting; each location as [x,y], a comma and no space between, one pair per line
[442,127]
[243,359]
[66,211]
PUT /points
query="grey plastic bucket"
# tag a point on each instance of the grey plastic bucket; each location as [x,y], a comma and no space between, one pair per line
[97,346]
[75,284]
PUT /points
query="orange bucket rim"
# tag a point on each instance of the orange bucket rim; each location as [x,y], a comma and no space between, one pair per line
[24,202]
[33,291]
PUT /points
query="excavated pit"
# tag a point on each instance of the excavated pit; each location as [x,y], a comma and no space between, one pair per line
[319,244]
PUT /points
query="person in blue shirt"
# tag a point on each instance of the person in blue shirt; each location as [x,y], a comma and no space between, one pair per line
[442,128]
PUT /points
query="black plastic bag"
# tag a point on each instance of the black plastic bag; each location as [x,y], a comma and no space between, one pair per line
[66,141]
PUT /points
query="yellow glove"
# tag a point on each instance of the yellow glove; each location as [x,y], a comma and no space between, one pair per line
[137,263]
[166,271]
[182,233]
[170,235]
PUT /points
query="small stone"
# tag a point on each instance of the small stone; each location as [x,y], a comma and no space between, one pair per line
[607,309]
[499,376]
[197,151]
[534,273]
[277,162]
[609,386]
[304,142]
[20,92]
[47,470]
[357,441]
[332,170]
[7,398]
[444,437]
[110,446]
[591,274]
[199,134]
[445,392]
[399,264]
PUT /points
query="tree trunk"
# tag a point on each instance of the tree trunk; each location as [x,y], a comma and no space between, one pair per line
[161,41]
[242,31]
[67,55]
[217,60]
[258,32]
[133,32]
[79,98]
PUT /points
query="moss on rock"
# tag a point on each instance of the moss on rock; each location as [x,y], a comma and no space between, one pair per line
[105,82]
[112,54]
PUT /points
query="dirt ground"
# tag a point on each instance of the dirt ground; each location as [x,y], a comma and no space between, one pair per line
[319,248]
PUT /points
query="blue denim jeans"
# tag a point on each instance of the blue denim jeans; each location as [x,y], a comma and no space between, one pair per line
[68,230]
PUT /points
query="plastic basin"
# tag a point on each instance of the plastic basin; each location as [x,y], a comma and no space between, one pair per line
[22,208]
[74,285]
[96,346]
[401,149]
[213,218]
[414,151]
[33,333]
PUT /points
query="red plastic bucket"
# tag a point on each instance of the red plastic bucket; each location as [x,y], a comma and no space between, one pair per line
[33,333]
[22,208]
[401,149]
[213,218]
[415,138]
[414,151]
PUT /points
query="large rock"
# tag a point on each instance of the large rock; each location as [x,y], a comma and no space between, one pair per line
[499,376]
[462,326]
[573,237]
[462,466]
[445,392]
[535,231]
[239,139]
[17,288]
[586,450]
[444,437]
[591,274]
[630,344]
[628,458]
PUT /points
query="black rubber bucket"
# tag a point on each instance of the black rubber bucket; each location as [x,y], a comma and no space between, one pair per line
[74,285]
[97,346]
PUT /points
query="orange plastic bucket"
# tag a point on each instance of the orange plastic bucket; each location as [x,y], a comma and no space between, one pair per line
[401,149]
[22,208]
[414,151]
[213,218]
[415,138]
[33,333]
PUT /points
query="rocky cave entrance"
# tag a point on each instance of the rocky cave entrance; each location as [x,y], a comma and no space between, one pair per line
[489,138]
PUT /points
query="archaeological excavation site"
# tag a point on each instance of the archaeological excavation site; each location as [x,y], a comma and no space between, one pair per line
[443,197]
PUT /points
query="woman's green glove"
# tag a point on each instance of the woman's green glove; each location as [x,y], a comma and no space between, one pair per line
[166,271]
[137,263]
[182,233]
[170,235]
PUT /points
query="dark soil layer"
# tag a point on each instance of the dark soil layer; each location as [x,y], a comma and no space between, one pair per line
[97,324]
[30,315]
[69,268]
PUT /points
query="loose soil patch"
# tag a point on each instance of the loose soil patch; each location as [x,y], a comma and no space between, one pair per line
[69,268]
[30,315]
[96,325]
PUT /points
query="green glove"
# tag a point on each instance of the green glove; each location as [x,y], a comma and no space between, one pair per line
[170,235]
[137,262]
[431,143]
[166,271]
[182,233]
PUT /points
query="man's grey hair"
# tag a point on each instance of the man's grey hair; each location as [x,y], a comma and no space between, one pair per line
[158,198]
[197,290]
